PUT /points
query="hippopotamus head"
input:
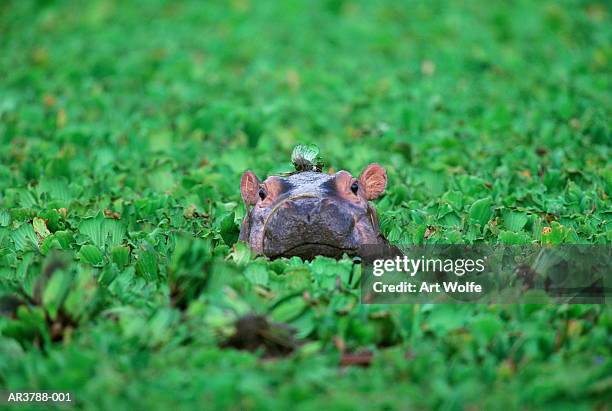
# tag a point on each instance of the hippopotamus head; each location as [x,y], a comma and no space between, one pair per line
[311,213]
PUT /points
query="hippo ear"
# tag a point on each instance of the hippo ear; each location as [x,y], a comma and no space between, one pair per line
[249,186]
[374,180]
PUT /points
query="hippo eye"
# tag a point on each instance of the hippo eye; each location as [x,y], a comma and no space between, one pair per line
[262,193]
[354,187]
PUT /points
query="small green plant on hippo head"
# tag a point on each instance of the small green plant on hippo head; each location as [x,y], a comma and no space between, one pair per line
[306,157]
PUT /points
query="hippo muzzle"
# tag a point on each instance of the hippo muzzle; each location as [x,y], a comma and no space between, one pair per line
[307,226]
[311,213]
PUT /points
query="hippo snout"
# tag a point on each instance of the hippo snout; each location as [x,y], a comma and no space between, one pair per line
[310,213]
[309,226]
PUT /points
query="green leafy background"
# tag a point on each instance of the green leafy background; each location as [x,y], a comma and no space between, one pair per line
[125,127]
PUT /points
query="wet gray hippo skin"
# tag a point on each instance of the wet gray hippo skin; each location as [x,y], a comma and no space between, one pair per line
[311,213]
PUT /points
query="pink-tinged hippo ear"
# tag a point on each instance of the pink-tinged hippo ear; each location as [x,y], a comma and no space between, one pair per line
[374,180]
[249,186]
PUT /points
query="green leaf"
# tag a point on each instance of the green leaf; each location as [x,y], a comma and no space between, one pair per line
[120,255]
[454,199]
[514,221]
[30,324]
[5,218]
[289,310]
[103,232]
[65,238]
[56,290]
[24,238]
[228,229]
[161,178]
[146,265]
[480,211]
[48,244]
[444,318]
[40,227]
[556,235]
[160,326]
[241,254]
[91,255]
[81,295]
[257,274]
[27,199]
[509,237]
[485,328]
[57,188]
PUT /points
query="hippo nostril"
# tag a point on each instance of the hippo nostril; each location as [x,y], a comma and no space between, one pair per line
[308,218]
